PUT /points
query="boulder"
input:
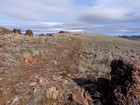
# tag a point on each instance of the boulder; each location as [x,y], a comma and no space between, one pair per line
[125,82]
[29,33]
[63,32]
[41,35]
[17,31]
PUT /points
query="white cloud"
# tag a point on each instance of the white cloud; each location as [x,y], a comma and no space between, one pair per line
[109,11]
[50,23]
[76,30]
[124,30]
[31,9]
[98,16]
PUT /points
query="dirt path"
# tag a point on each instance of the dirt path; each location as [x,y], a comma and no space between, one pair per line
[62,60]
[71,61]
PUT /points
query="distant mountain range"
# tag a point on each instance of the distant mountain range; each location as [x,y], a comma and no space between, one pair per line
[134,37]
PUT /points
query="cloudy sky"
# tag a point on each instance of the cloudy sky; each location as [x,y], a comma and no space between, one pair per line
[113,17]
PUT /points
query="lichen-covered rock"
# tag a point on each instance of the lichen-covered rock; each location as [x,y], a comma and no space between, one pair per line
[52,92]
[29,33]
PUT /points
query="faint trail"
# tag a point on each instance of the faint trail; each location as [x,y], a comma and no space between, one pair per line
[71,64]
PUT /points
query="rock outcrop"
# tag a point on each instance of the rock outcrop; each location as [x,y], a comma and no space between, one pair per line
[125,82]
[17,31]
[4,31]
[29,33]
[122,89]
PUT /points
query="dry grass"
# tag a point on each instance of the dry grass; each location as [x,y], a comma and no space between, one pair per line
[56,58]
[99,50]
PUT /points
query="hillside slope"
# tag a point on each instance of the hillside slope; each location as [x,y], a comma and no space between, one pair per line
[40,70]
[4,31]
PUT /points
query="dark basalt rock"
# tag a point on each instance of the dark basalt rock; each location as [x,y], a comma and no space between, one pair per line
[63,32]
[49,34]
[123,88]
[41,35]
[125,82]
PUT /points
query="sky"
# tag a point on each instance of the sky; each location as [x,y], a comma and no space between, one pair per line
[112,17]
